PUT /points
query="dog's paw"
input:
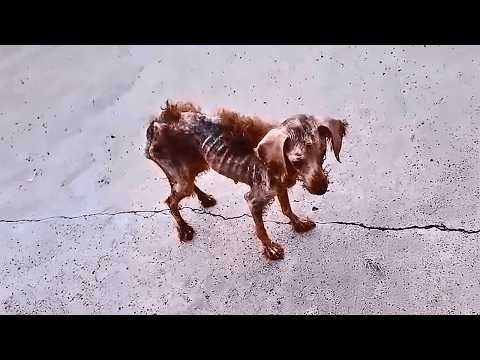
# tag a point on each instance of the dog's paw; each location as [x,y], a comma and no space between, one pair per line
[185,233]
[273,251]
[208,201]
[303,225]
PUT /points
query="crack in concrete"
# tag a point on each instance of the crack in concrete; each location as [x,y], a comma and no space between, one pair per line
[440,227]
[99,265]
[84,216]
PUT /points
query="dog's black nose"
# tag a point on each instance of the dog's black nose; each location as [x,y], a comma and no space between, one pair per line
[319,192]
[318,189]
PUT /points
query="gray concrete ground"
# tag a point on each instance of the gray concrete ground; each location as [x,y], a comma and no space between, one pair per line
[73,174]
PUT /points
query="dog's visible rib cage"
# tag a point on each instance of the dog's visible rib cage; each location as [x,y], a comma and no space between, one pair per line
[222,156]
[185,142]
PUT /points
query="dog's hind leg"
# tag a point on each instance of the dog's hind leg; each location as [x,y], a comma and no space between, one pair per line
[298,224]
[179,192]
[180,174]
[181,186]
[205,199]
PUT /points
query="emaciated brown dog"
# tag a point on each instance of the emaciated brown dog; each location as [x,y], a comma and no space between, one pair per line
[185,142]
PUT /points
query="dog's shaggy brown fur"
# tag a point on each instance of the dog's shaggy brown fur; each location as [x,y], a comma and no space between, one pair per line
[184,142]
[248,129]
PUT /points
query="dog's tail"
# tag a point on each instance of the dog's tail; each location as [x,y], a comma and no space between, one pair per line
[173,110]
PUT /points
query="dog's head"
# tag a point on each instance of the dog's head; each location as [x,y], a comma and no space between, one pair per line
[299,147]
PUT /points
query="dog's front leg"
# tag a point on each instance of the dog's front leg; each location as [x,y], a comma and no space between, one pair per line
[299,225]
[257,203]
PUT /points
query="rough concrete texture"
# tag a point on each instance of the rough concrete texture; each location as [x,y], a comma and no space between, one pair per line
[83,223]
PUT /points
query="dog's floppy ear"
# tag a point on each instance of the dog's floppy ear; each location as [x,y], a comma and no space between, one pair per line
[334,130]
[271,151]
